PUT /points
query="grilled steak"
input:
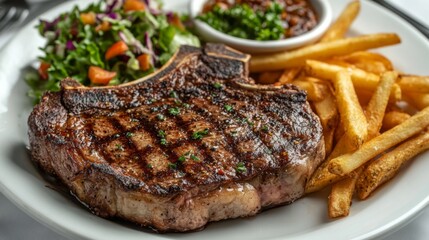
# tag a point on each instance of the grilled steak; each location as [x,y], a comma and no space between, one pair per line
[196,142]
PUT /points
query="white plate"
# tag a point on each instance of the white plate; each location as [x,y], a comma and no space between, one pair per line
[393,206]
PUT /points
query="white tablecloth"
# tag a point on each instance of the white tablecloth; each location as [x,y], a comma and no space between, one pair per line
[16,225]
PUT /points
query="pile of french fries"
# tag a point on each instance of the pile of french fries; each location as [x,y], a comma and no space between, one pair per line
[374,118]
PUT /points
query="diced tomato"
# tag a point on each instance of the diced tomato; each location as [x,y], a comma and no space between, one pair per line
[104,26]
[88,18]
[116,49]
[100,76]
[134,5]
[144,61]
[43,70]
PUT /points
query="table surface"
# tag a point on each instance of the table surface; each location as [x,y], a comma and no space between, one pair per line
[16,225]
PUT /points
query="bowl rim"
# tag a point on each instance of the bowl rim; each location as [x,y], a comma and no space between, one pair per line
[322,7]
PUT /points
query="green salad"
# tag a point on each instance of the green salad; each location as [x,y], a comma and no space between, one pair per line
[107,43]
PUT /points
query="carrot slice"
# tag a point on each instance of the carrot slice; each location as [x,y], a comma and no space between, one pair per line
[116,49]
[103,26]
[100,76]
[144,62]
[134,5]
[88,18]
[43,70]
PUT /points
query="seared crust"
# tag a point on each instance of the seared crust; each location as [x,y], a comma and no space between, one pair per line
[161,150]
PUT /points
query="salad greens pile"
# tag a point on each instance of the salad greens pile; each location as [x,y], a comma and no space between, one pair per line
[243,21]
[107,43]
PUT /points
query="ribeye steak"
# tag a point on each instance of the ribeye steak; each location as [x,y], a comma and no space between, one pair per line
[195,142]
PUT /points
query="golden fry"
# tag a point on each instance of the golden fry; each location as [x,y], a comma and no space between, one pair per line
[378,103]
[386,167]
[393,118]
[351,113]
[296,58]
[347,163]
[418,84]
[340,198]
[342,24]
[361,80]
[342,192]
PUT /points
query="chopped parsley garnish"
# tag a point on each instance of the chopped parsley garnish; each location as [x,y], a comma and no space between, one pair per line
[162,141]
[119,147]
[198,135]
[129,134]
[149,165]
[187,106]
[246,120]
[240,167]
[228,108]
[160,117]
[195,158]
[182,158]
[161,133]
[264,128]
[173,94]
[172,165]
[174,111]
[217,85]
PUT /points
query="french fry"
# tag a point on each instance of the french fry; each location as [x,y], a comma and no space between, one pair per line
[418,100]
[288,75]
[386,167]
[351,113]
[313,92]
[361,79]
[414,83]
[296,58]
[393,118]
[347,163]
[340,27]
[340,198]
[378,103]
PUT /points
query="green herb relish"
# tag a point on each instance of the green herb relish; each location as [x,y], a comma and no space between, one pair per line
[260,20]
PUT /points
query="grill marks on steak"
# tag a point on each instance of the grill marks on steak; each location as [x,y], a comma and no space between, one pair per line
[197,127]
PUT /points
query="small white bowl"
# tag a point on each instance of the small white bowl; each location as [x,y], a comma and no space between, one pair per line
[206,32]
